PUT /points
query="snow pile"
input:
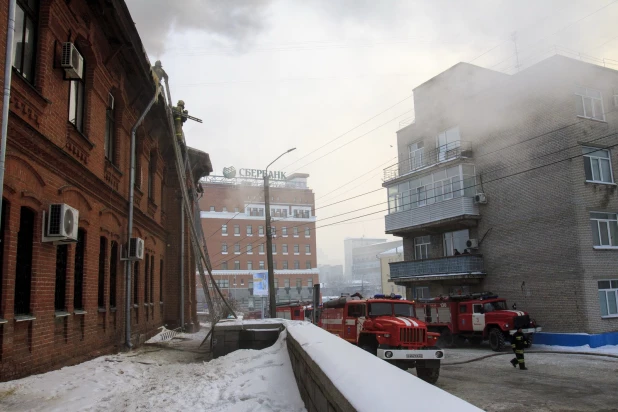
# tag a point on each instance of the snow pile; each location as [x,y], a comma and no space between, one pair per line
[369,383]
[157,379]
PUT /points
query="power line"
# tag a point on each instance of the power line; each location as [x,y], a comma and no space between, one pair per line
[352,129]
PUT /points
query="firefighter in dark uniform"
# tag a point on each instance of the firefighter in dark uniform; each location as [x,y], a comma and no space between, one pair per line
[518,343]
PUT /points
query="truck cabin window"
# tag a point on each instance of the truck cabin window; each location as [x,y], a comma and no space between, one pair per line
[478,309]
[356,311]
[380,309]
[404,309]
[491,306]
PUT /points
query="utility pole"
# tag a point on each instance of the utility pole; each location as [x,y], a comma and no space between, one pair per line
[269,242]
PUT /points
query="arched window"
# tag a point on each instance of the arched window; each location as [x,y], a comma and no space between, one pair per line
[146,277]
[62,254]
[110,126]
[102,260]
[78,283]
[113,269]
[77,99]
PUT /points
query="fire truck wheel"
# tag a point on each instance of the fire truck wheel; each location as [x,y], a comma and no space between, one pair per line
[429,375]
[447,340]
[496,340]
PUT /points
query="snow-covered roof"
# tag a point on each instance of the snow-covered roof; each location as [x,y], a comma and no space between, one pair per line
[392,252]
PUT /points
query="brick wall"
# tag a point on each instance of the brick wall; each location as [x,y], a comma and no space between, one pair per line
[49,161]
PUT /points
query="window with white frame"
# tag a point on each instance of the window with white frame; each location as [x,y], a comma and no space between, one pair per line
[274,248]
[421,292]
[589,103]
[597,165]
[237,248]
[296,249]
[295,232]
[223,247]
[224,230]
[307,232]
[261,248]
[415,154]
[249,265]
[249,230]
[285,249]
[447,141]
[223,266]
[604,228]
[261,264]
[284,231]
[212,208]
[308,264]
[608,298]
[236,230]
[260,230]
[296,264]
[455,242]
[285,264]
[421,247]
[307,250]
[237,264]
[249,249]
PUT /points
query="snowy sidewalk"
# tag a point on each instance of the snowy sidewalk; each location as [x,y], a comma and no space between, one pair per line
[156,379]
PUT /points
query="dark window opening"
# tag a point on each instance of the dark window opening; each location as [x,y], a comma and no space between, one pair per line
[110,137]
[161,280]
[113,269]
[356,311]
[463,309]
[78,285]
[23,272]
[2,241]
[102,260]
[152,272]
[152,170]
[62,255]
[24,39]
[146,277]
[135,280]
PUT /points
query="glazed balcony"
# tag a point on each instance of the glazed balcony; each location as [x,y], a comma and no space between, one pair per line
[425,159]
[462,266]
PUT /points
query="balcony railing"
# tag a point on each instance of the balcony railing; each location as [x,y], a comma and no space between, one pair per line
[425,158]
[416,216]
[461,264]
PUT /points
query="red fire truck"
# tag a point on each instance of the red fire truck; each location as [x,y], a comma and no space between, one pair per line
[476,317]
[295,311]
[387,327]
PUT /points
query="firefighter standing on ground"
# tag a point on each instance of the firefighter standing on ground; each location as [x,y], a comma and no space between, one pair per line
[518,343]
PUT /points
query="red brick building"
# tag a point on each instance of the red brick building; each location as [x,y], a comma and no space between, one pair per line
[69,143]
[234,225]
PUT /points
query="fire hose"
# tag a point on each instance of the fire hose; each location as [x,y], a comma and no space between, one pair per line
[606,355]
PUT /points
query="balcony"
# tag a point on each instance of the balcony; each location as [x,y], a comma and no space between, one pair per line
[452,267]
[424,159]
[435,214]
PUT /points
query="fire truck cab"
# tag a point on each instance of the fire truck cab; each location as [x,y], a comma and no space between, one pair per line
[295,311]
[387,327]
[476,317]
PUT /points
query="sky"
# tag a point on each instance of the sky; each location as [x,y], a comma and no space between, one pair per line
[334,78]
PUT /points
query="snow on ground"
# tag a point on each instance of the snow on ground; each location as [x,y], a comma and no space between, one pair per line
[170,377]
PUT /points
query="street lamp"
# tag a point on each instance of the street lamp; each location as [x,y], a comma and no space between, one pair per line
[269,241]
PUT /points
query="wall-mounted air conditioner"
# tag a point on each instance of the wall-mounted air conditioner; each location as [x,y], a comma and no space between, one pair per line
[60,224]
[136,249]
[472,244]
[72,62]
[480,198]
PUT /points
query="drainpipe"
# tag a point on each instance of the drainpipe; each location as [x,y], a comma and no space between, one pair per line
[128,263]
[8,70]
[182,266]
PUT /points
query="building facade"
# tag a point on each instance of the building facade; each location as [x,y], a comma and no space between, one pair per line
[233,220]
[390,256]
[366,266]
[506,183]
[352,243]
[68,143]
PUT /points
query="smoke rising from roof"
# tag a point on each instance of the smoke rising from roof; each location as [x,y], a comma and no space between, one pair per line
[234,21]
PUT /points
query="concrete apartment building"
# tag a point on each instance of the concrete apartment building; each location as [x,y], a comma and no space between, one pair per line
[366,270]
[234,225]
[352,243]
[68,143]
[517,172]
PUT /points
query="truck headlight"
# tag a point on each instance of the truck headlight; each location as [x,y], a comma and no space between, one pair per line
[506,325]
[439,354]
[388,354]
[387,335]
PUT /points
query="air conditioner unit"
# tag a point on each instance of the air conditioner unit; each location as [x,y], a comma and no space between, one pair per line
[136,249]
[480,198]
[472,244]
[62,223]
[72,62]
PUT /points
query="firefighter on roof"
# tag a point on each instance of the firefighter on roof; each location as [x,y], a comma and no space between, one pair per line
[518,343]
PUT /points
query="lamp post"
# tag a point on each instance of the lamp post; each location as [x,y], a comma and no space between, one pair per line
[269,241]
